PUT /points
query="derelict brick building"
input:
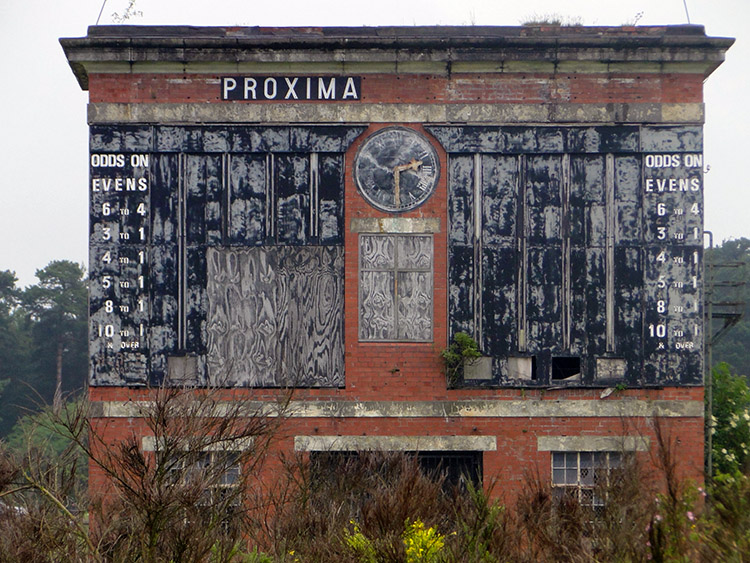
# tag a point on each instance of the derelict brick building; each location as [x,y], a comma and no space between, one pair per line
[324,208]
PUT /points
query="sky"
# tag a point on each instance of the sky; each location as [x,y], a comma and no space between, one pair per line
[43,130]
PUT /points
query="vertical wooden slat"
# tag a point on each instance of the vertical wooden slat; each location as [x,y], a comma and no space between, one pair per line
[610,249]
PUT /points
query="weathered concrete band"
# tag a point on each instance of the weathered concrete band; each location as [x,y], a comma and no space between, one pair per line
[395,225]
[149,443]
[395,443]
[531,408]
[593,443]
[395,113]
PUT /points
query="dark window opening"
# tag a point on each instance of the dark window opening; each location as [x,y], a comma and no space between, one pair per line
[457,469]
[566,368]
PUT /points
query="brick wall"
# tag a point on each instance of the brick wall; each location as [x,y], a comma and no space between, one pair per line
[413,371]
[427,89]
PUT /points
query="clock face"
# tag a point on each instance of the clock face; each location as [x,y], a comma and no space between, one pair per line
[396,169]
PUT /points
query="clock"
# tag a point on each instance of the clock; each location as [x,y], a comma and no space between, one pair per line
[396,169]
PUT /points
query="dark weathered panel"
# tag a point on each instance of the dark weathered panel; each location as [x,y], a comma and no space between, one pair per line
[163,332]
[628,200]
[469,139]
[292,189]
[499,200]
[529,139]
[543,199]
[261,140]
[628,309]
[671,139]
[119,138]
[203,193]
[587,201]
[175,139]
[330,139]
[154,215]
[248,199]
[461,289]
[330,200]
[164,199]
[460,200]
[196,300]
[499,335]
[609,242]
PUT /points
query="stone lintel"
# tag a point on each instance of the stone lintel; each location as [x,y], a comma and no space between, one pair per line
[395,443]
[395,225]
[593,443]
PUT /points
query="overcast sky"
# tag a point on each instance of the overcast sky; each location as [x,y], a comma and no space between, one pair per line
[43,131]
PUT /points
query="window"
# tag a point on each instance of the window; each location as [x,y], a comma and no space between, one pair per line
[584,476]
[219,473]
[456,468]
[222,472]
[395,288]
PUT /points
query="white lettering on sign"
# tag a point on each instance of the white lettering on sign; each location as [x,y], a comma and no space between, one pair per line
[120,214]
[269,88]
[250,85]
[326,93]
[107,160]
[328,88]
[661,185]
[119,184]
[290,85]
[350,90]
[663,161]
[228,84]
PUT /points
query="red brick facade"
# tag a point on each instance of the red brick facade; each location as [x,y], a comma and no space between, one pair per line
[404,373]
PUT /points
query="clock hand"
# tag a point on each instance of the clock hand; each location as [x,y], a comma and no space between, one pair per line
[413,164]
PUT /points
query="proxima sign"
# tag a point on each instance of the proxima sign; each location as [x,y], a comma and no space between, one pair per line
[291,88]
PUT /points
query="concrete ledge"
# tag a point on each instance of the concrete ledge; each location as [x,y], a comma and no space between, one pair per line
[395,225]
[352,113]
[149,443]
[531,408]
[593,444]
[395,443]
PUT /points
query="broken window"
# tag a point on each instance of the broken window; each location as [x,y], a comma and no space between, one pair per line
[565,368]
[395,288]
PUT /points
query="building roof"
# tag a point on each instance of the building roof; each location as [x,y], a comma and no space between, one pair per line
[684,48]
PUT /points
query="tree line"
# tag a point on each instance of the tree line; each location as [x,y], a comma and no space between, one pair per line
[43,340]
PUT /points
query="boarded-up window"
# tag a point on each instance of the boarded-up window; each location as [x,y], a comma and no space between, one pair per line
[395,288]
